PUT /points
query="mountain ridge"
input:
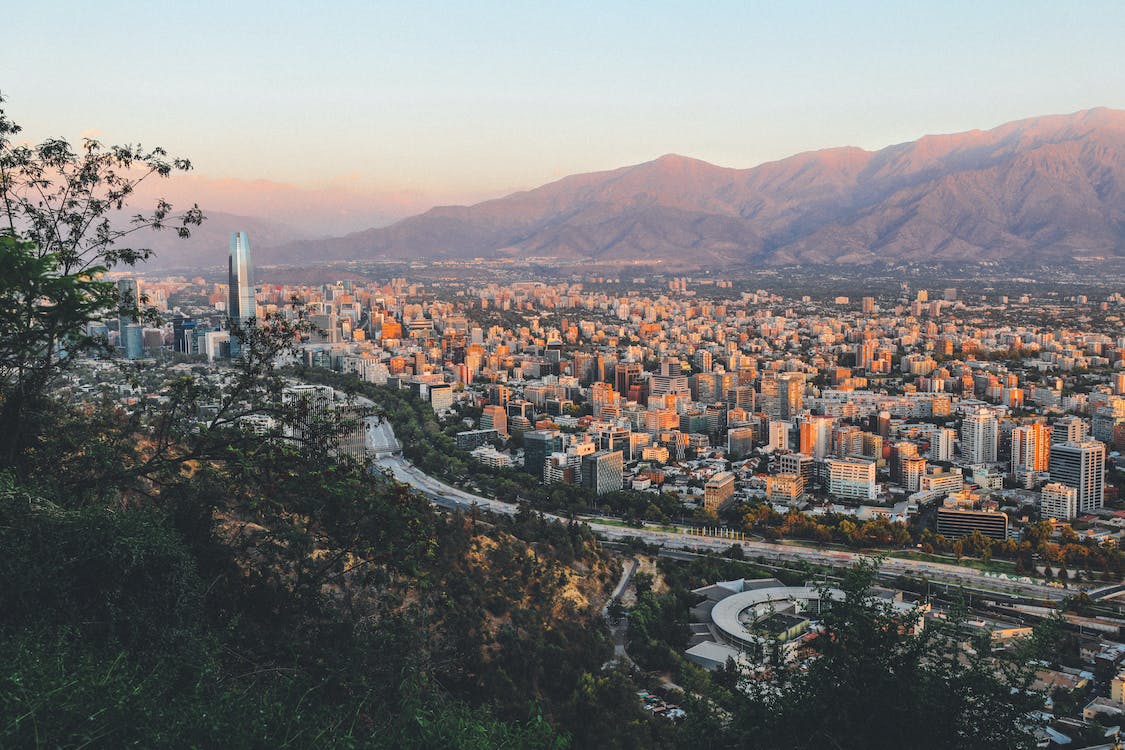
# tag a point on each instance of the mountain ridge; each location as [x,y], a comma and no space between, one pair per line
[1044,187]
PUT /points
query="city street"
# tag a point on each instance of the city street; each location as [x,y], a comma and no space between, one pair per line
[447,496]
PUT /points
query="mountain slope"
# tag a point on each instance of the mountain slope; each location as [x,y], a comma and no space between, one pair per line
[1047,187]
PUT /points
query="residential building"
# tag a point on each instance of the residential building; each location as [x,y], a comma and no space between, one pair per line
[1031,448]
[1081,465]
[979,437]
[1058,501]
[851,478]
[718,490]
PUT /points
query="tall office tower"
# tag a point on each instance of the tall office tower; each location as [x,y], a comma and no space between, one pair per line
[1069,429]
[941,444]
[602,472]
[183,335]
[1031,448]
[537,446]
[132,340]
[1081,465]
[241,306]
[978,437]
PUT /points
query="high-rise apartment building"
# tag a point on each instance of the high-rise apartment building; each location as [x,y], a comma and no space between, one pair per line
[769,400]
[815,436]
[1081,465]
[740,441]
[978,437]
[851,478]
[1058,501]
[799,465]
[441,397]
[941,444]
[778,438]
[740,397]
[1031,448]
[670,381]
[792,394]
[627,378]
[1069,429]
[912,468]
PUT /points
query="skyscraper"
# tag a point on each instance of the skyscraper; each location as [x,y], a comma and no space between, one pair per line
[241,306]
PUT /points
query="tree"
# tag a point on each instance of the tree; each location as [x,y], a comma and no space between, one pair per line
[62,224]
[39,309]
[918,689]
[68,203]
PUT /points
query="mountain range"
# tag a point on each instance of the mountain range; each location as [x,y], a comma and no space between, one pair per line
[1041,189]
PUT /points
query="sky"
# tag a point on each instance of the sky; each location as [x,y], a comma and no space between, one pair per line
[408,104]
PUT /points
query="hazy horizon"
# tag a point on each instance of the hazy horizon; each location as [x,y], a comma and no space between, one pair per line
[382,112]
[238,87]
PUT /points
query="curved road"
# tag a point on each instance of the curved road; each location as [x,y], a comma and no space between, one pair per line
[448,496]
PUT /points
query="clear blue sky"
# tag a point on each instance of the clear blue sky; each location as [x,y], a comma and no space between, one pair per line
[476,98]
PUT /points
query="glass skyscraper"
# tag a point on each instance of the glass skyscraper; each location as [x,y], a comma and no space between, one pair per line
[242,306]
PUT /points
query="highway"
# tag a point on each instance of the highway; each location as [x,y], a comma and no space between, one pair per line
[451,497]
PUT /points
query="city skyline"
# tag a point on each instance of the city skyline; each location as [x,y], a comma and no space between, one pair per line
[604,375]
